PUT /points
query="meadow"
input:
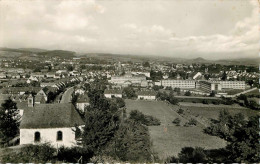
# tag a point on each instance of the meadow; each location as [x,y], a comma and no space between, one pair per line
[168,139]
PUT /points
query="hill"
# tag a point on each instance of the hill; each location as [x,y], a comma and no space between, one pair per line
[36,51]
[57,53]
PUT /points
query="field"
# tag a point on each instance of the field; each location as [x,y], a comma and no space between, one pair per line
[210,111]
[168,139]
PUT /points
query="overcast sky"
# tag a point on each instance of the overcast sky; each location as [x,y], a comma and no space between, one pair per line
[212,29]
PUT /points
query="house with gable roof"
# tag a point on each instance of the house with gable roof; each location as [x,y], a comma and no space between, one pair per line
[52,123]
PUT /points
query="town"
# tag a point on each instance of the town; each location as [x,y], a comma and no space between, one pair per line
[54,93]
[128,81]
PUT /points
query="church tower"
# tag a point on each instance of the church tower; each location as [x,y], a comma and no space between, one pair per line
[30,101]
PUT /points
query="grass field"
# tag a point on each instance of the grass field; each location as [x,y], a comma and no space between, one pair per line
[210,111]
[167,138]
[254,92]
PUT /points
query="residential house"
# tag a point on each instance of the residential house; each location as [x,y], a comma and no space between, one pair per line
[110,93]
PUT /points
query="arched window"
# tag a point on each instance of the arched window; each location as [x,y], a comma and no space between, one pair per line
[59,136]
[37,137]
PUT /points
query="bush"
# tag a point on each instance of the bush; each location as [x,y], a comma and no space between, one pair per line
[176,121]
[131,143]
[31,153]
[180,111]
[192,122]
[189,154]
[73,154]
[205,101]
[187,93]
[216,102]
[144,119]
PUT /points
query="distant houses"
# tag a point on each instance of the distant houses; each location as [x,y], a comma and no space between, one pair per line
[110,93]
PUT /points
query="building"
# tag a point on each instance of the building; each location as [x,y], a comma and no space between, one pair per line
[232,84]
[82,102]
[146,95]
[128,78]
[178,83]
[110,93]
[51,123]
[209,86]
[217,85]
[197,75]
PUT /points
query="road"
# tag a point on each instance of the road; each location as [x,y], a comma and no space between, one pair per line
[66,97]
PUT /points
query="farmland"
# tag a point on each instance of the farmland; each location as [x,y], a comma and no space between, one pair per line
[168,139]
[210,111]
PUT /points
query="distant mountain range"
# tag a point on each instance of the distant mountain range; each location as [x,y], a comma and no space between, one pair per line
[120,57]
[40,52]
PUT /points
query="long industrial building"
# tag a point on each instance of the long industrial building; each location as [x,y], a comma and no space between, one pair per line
[205,85]
[179,83]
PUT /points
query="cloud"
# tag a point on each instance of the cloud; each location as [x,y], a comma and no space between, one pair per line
[211,29]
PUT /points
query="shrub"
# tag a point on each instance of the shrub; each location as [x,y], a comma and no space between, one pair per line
[216,102]
[131,142]
[31,153]
[180,111]
[144,119]
[189,154]
[187,93]
[73,154]
[192,122]
[176,121]
[205,101]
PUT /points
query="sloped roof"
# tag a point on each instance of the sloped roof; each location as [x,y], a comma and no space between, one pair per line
[83,98]
[50,116]
[113,91]
[146,93]
[39,98]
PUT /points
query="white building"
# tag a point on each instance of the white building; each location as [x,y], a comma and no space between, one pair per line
[232,84]
[82,102]
[209,86]
[146,95]
[197,75]
[51,123]
[178,83]
[110,93]
[127,78]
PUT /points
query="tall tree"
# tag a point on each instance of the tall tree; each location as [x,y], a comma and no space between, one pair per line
[9,121]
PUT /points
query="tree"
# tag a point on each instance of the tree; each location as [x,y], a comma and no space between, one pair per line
[42,153]
[242,136]
[132,142]
[9,121]
[144,119]
[37,69]
[187,93]
[224,76]
[120,102]
[129,92]
[189,154]
[212,93]
[99,129]
[244,145]
[69,67]
[250,82]
[146,64]
[176,121]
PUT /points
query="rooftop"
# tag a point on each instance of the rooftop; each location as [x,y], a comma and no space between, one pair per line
[50,116]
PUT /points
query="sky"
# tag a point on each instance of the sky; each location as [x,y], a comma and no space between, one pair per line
[212,29]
